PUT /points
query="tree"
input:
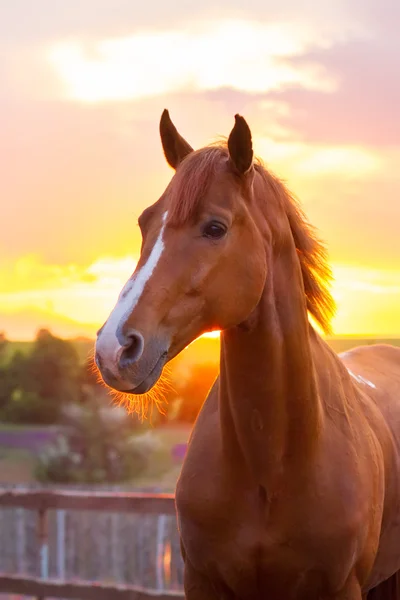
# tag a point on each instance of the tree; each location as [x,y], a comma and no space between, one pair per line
[3,347]
[11,376]
[193,391]
[44,381]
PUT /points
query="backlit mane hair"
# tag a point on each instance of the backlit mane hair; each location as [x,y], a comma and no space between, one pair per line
[189,186]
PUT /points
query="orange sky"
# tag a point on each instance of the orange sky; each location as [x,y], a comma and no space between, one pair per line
[83,87]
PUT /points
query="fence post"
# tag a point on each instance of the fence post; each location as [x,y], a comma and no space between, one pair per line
[60,544]
[20,539]
[115,544]
[43,544]
[160,552]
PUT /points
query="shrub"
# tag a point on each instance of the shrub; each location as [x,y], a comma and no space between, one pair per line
[97,446]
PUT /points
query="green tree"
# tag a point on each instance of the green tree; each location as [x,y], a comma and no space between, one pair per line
[53,367]
[41,383]
[11,377]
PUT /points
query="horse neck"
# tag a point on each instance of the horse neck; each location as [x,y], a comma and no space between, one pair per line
[269,406]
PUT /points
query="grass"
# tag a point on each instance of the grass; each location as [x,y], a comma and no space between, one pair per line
[163,471]
[165,482]
[173,434]
[16,466]
[17,428]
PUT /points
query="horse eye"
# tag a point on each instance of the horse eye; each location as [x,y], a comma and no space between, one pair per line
[214,230]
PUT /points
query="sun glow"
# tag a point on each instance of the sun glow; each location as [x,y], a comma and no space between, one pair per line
[367,300]
[82,295]
[213,334]
[303,161]
[79,299]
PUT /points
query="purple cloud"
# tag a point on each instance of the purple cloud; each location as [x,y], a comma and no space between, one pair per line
[365,109]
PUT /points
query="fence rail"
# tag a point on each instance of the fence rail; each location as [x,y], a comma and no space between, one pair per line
[103,501]
[42,501]
[28,586]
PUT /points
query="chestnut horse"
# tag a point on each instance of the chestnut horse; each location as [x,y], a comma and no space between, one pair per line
[290,488]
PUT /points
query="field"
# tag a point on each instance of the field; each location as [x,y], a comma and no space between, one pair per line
[17,465]
[18,445]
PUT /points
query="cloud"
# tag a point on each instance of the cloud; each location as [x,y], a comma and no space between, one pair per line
[75,179]
[19,276]
[83,33]
[367,300]
[150,63]
[76,301]
[356,214]
[365,106]
[23,324]
[76,176]
[28,22]
[83,295]
[30,276]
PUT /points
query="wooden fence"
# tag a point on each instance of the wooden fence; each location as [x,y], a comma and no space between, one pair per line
[41,501]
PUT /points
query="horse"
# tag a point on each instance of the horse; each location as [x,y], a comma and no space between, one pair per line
[290,487]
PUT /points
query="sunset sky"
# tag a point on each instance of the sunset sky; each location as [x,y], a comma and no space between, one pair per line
[83,85]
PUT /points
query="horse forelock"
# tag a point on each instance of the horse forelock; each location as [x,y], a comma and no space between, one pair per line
[191,182]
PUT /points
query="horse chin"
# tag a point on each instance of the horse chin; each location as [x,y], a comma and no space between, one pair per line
[151,379]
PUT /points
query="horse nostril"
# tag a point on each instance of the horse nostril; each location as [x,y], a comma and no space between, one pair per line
[133,344]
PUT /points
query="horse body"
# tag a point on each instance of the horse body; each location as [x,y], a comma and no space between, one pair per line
[318,529]
[290,488]
[375,370]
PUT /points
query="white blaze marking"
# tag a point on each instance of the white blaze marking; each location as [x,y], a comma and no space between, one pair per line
[107,343]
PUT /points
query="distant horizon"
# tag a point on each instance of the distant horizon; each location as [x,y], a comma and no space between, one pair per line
[84,338]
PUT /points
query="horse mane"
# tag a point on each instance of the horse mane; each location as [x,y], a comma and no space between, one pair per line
[311,251]
[190,184]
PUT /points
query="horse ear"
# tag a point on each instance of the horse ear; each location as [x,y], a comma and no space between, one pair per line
[240,146]
[174,146]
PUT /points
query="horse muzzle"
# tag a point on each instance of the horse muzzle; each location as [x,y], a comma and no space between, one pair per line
[129,363]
